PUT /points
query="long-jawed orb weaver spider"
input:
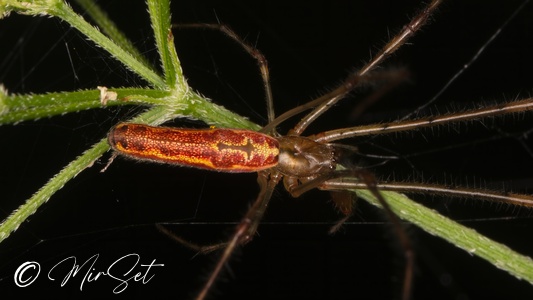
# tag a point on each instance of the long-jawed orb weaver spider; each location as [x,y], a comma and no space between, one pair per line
[306,163]
[344,281]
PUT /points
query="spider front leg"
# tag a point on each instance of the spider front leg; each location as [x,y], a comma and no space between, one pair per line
[247,228]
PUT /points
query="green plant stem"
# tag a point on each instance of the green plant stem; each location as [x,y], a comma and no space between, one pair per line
[463,237]
[17,108]
[160,20]
[86,160]
[109,28]
[60,9]
[66,13]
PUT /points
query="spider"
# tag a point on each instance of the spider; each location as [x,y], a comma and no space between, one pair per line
[305,163]
[258,240]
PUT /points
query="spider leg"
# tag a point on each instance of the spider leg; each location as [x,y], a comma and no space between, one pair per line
[433,189]
[344,201]
[161,228]
[518,106]
[246,229]
[387,80]
[188,244]
[370,183]
[252,51]
[324,102]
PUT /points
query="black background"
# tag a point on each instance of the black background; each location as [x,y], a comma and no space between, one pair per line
[310,48]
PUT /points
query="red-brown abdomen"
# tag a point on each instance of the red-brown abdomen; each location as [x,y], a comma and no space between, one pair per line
[225,150]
